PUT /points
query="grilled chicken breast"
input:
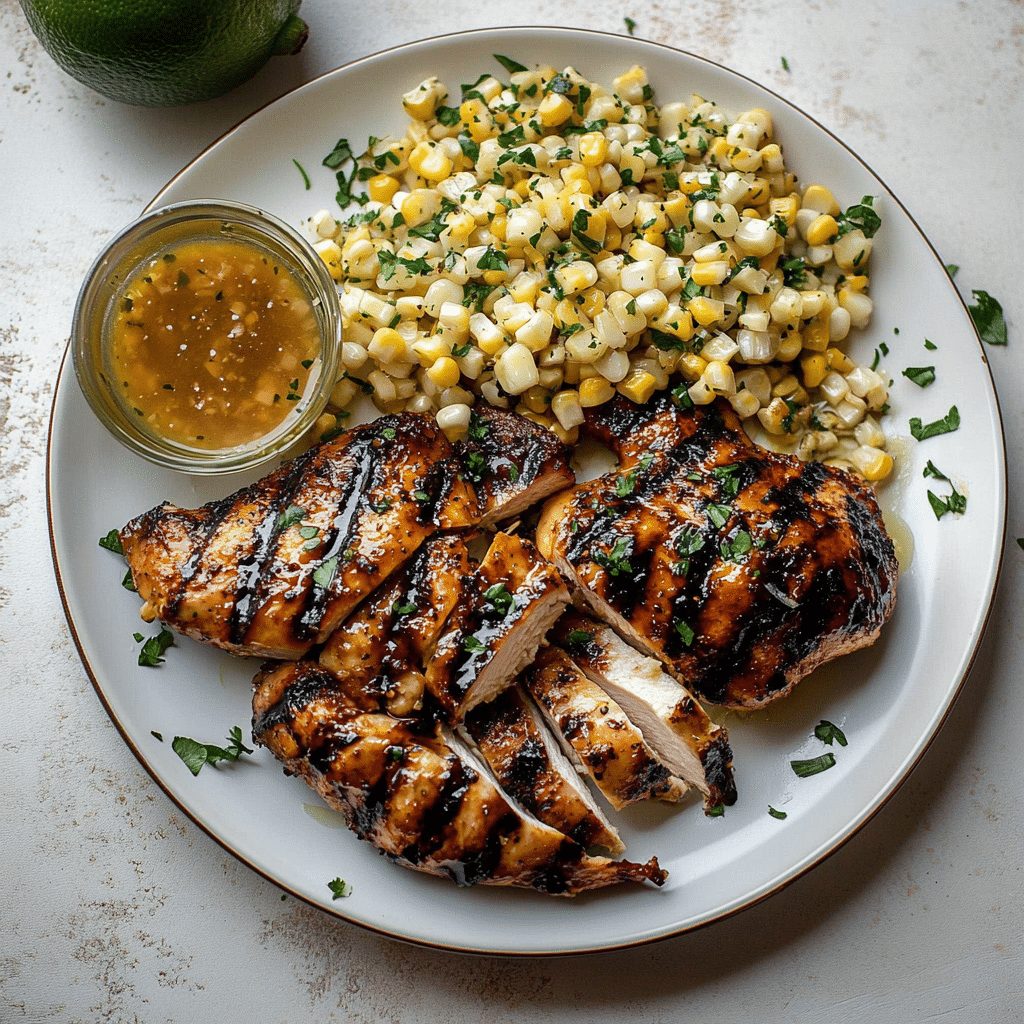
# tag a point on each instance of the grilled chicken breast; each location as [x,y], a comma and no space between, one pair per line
[272,569]
[597,734]
[673,723]
[378,653]
[493,633]
[415,794]
[529,764]
[739,568]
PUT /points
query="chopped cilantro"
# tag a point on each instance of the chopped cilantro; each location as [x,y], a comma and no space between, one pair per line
[616,561]
[302,171]
[827,732]
[813,765]
[922,376]
[499,598]
[946,425]
[154,647]
[473,645]
[987,315]
[195,754]
[112,542]
[781,815]
[339,889]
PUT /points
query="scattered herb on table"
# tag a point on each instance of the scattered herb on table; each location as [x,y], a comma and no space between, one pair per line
[630,25]
[781,815]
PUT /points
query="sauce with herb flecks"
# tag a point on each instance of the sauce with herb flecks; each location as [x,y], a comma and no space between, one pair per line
[212,343]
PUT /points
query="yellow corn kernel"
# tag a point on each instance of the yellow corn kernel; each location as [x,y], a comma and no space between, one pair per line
[712,272]
[821,229]
[771,158]
[424,100]
[638,386]
[785,208]
[430,161]
[498,226]
[330,252]
[381,188]
[554,109]
[429,350]
[632,85]
[595,391]
[593,301]
[813,366]
[704,310]
[691,366]
[817,197]
[593,149]
[815,334]
[858,283]
[839,360]
[790,347]
[444,372]
[494,277]
[387,346]
[522,188]
[677,209]
[719,151]
[872,464]
[460,226]
[477,117]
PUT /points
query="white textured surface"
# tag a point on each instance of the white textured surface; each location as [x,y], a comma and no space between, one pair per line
[115,907]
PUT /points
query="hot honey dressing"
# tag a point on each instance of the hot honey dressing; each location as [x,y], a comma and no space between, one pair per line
[212,343]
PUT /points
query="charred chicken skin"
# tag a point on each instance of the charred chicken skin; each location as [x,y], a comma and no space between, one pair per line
[741,569]
[272,569]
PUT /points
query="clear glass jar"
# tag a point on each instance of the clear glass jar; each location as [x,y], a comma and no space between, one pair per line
[160,231]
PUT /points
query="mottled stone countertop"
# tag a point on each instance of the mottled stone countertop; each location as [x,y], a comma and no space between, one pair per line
[114,906]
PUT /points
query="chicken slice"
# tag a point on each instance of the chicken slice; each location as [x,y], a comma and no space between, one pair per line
[597,734]
[528,762]
[672,722]
[379,651]
[511,601]
[411,794]
[512,462]
[741,569]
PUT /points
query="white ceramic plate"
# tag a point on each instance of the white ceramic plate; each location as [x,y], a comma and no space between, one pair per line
[890,699]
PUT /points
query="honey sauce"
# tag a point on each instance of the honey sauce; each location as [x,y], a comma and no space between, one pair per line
[212,343]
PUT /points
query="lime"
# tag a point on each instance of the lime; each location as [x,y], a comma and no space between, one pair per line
[158,53]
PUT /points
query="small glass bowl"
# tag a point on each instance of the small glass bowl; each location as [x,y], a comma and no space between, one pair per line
[118,264]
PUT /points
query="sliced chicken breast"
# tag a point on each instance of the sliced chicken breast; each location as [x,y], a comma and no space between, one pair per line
[741,569]
[411,794]
[528,762]
[597,734]
[673,723]
[512,600]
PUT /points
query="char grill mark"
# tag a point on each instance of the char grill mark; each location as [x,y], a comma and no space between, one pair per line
[741,568]
[379,652]
[416,796]
[530,767]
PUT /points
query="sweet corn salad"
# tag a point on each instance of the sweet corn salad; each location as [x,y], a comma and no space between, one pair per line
[545,243]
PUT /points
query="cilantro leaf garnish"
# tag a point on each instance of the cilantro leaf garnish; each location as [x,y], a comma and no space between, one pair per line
[781,815]
[616,561]
[946,425]
[510,65]
[112,542]
[196,754]
[342,151]
[987,315]
[827,732]
[339,889]
[474,645]
[813,765]
[499,598]
[922,376]
[289,517]
[154,647]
